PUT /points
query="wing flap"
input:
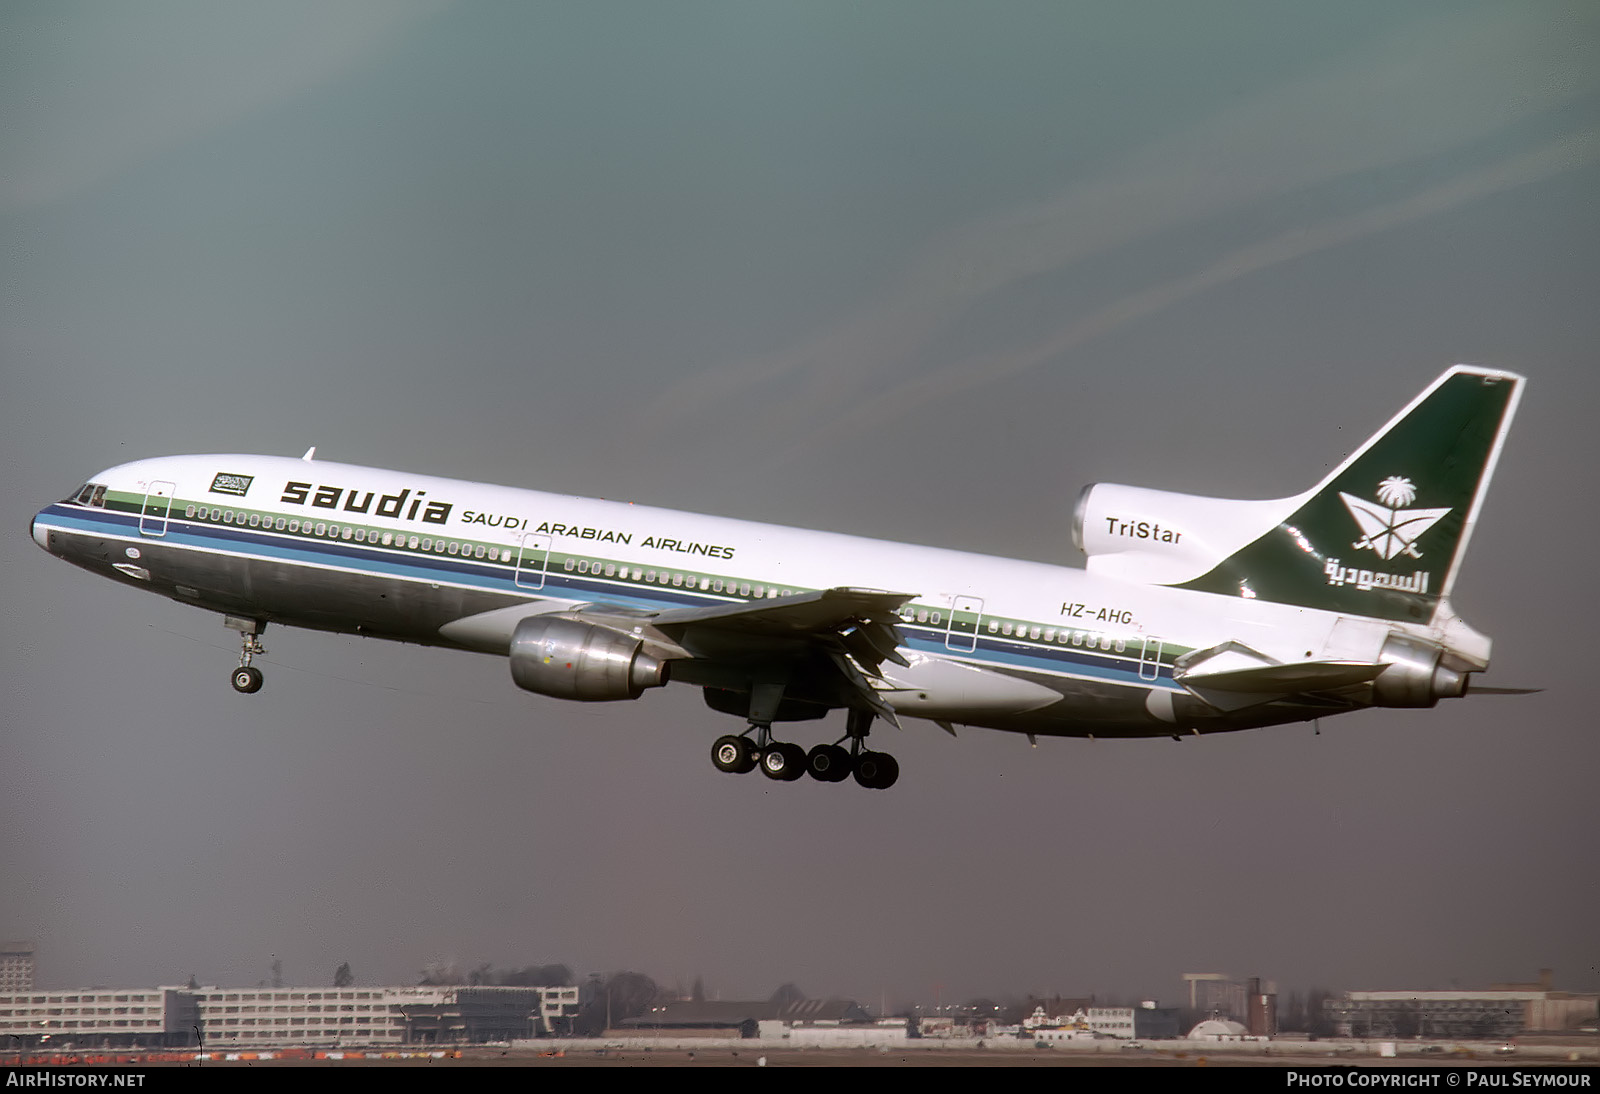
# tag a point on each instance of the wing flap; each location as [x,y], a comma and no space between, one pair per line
[789,616]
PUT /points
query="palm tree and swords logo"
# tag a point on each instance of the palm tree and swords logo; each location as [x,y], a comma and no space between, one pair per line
[1387,529]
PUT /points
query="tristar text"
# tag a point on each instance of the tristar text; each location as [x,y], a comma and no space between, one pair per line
[1141,529]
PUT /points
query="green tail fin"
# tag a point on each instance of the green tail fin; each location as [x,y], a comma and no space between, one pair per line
[1384,535]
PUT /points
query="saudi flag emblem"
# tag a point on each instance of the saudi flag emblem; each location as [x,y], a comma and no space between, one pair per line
[1387,529]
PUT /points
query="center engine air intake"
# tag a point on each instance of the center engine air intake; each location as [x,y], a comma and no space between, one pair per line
[1163,538]
[569,659]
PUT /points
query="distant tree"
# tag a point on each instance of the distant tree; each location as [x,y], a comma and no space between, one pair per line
[1013,1012]
[343,977]
[439,975]
[1318,1024]
[1293,1016]
[536,976]
[621,995]
[788,995]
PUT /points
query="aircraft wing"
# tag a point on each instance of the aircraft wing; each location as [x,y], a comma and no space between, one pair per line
[845,631]
[823,642]
[790,616]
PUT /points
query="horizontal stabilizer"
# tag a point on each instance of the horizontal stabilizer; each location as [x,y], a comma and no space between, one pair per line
[1286,679]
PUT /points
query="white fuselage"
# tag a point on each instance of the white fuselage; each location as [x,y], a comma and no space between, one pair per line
[997,642]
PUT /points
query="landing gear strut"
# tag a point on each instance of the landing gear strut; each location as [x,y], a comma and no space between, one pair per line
[247,678]
[873,770]
[783,762]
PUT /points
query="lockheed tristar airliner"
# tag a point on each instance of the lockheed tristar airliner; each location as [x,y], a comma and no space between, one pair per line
[1194,615]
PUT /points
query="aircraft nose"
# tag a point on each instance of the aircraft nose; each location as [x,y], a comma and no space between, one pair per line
[41,534]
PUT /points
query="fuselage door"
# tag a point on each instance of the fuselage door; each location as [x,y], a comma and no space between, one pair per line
[965,612]
[1150,658]
[531,561]
[157,503]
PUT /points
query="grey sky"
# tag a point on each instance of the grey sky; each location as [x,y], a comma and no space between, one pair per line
[910,270]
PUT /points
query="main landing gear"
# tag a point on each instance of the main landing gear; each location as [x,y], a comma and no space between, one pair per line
[783,762]
[247,678]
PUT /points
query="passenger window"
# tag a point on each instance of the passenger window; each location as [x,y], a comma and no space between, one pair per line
[994,626]
[189,512]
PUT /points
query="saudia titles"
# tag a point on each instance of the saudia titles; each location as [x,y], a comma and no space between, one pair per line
[389,505]
[1388,531]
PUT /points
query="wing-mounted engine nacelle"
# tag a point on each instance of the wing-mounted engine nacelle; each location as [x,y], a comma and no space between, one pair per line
[570,659]
[1414,676]
[1163,538]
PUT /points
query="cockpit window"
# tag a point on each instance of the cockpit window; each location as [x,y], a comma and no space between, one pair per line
[90,493]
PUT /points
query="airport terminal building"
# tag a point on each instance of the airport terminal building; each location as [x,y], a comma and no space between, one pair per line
[209,1017]
[1496,1013]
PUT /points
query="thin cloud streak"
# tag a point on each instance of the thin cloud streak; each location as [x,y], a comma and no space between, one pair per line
[1552,159]
[1436,87]
[64,138]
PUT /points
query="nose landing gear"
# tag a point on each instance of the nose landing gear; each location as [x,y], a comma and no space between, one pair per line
[247,679]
